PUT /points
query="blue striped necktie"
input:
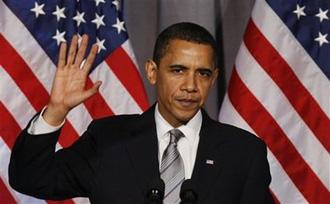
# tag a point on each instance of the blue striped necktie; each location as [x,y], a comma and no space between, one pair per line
[172,169]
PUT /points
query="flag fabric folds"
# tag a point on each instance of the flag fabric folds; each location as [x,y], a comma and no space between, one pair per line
[280,91]
[31,32]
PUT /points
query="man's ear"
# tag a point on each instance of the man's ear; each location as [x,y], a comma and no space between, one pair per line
[215,75]
[151,71]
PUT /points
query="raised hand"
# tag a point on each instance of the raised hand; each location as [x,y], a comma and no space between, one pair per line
[68,88]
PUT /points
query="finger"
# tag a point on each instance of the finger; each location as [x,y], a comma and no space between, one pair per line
[90,59]
[82,49]
[61,58]
[90,92]
[73,49]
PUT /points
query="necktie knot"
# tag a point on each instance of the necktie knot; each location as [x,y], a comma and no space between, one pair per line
[175,135]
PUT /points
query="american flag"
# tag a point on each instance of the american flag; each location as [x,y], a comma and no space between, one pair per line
[31,31]
[280,91]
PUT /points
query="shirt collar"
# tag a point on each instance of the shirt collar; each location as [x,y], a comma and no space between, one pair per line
[190,130]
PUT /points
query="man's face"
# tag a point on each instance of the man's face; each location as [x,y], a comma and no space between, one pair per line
[183,79]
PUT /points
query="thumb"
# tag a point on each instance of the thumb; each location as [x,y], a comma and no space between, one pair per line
[90,92]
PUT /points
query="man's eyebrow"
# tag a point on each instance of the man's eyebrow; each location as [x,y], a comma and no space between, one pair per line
[178,66]
[205,69]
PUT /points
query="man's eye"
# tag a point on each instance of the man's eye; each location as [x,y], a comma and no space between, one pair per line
[177,70]
[205,73]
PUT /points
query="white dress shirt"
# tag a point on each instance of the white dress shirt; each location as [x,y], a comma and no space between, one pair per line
[187,146]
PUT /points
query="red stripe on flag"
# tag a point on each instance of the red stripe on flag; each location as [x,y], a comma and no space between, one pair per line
[5,195]
[123,67]
[60,202]
[38,96]
[278,69]
[267,128]
[96,105]
[16,67]
[9,129]
[68,135]
[276,201]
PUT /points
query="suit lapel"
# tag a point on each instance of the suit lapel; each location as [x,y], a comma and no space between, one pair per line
[143,149]
[208,160]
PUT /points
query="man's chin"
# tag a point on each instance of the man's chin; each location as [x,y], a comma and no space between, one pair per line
[186,117]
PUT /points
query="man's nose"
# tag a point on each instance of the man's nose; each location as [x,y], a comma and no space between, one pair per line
[190,83]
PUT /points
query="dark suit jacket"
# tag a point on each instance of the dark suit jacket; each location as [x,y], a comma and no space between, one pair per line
[117,157]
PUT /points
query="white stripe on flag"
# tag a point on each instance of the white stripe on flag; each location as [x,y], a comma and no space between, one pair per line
[282,186]
[114,92]
[79,118]
[14,100]
[81,200]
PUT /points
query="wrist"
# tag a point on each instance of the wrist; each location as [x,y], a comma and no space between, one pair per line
[54,115]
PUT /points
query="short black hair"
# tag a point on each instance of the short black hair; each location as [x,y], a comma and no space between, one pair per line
[187,31]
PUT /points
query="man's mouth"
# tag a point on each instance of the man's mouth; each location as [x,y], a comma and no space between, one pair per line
[187,102]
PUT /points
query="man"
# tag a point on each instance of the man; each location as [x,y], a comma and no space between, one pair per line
[118,158]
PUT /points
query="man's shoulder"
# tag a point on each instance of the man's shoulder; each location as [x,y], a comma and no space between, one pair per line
[117,118]
[114,129]
[128,120]
[238,141]
[115,121]
[236,134]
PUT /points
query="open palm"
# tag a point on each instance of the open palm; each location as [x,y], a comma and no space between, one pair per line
[68,88]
